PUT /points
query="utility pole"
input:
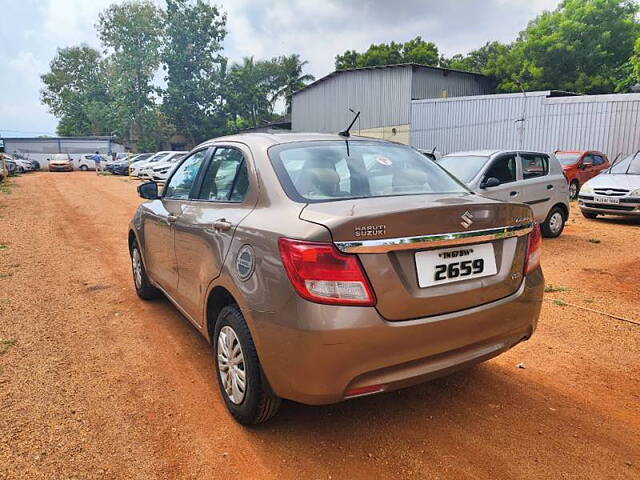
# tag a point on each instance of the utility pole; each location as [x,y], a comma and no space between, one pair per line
[523,118]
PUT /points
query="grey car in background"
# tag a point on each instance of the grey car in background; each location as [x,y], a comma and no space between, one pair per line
[615,191]
[533,178]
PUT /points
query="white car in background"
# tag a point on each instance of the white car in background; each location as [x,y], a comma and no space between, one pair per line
[156,157]
[86,162]
[146,171]
[22,166]
[162,170]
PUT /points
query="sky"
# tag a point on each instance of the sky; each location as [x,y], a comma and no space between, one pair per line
[32,30]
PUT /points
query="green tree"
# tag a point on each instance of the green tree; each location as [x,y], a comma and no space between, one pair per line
[578,47]
[76,91]
[290,77]
[413,51]
[131,33]
[250,93]
[193,99]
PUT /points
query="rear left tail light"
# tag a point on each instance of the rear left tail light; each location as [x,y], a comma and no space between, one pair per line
[534,250]
[321,274]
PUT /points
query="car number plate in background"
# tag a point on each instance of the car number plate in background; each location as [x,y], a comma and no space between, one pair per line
[447,265]
[614,201]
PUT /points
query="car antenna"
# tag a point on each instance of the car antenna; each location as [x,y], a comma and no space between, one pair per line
[345,133]
[631,161]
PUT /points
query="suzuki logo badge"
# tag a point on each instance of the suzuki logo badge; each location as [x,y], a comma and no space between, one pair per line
[466,219]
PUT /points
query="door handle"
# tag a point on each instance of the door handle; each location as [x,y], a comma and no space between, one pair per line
[549,187]
[171,218]
[222,225]
[513,194]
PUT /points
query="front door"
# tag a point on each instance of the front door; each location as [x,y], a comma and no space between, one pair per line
[204,231]
[505,169]
[159,224]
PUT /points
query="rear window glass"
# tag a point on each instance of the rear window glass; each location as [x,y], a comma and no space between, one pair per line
[335,170]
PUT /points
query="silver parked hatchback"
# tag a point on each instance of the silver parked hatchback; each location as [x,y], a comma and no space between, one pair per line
[533,178]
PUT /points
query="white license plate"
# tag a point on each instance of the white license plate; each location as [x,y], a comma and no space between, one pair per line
[447,265]
[609,200]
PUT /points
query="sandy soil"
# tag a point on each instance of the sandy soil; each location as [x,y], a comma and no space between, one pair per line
[102,385]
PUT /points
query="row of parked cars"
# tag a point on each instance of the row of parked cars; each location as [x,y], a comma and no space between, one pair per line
[148,166]
[14,165]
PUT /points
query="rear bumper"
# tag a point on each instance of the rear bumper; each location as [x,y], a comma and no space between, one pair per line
[332,349]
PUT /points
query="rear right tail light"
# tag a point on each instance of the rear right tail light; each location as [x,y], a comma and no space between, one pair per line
[322,274]
[534,250]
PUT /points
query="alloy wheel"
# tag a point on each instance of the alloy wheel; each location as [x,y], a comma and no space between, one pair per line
[555,222]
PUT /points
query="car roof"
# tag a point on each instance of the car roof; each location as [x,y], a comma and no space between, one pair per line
[268,138]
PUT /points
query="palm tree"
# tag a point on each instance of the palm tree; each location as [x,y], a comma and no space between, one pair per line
[291,77]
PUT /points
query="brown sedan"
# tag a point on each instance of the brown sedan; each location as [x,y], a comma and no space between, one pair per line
[323,267]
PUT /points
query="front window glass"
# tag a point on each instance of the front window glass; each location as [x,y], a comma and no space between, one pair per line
[179,187]
[504,169]
[567,158]
[464,168]
[335,170]
[226,178]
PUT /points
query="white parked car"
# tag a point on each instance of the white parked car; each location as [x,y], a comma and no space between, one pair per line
[22,166]
[162,170]
[156,157]
[146,171]
[86,162]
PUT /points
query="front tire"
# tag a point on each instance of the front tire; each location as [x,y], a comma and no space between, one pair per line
[84,168]
[554,223]
[144,289]
[243,386]
[574,189]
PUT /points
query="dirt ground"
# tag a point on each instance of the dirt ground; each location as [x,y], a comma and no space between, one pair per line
[95,383]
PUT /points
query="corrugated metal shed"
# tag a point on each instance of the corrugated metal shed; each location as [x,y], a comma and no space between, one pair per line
[608,123]
[45,145]
[382,95]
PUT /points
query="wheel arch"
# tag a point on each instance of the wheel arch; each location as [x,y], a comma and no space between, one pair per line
[563,208]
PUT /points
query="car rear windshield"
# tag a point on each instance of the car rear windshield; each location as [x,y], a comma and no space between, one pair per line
[567,158]
[464,168]
[337,170]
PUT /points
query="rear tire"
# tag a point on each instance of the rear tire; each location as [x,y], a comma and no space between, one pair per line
[589,215]
[256,403]
[144,289]
[553,226]
[574,189]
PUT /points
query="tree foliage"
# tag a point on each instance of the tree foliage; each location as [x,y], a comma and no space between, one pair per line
[413,51]
[194,99]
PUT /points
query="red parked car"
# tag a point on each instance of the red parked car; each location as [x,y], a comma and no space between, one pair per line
[580,166]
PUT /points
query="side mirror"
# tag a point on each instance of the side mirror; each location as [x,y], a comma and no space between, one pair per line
[490,182]
[148,190]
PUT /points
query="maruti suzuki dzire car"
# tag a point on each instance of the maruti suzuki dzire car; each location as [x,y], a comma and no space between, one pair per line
[326,267]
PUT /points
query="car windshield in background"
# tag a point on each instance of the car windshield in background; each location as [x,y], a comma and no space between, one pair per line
[567,158]
[464,168]
[335,170]
[629,166]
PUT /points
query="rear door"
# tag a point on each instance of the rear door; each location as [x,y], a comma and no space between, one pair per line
[223,197]
[538,188]
[159,220]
